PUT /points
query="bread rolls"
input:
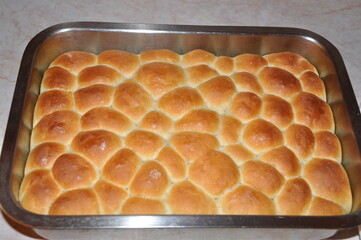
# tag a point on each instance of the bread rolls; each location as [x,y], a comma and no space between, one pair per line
[164,133]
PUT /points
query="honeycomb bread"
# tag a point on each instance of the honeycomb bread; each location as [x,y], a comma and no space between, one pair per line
[164,133]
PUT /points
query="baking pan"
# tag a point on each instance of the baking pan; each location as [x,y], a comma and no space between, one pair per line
[220,40]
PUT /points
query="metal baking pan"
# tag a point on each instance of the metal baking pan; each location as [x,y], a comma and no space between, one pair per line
[220,40]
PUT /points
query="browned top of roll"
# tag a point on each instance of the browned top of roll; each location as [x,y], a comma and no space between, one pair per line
[262,176]
[75,61]
[245,200]
[173,162]
[261,135]
[289,61]
[124,62]
[245,106]
[131,99]
[198,56]
[200,73]
[214,171]
[44,155]
[93,96]
[279,82]
[277,111]
[111,197]
[60,126]
[185,198]
[160,77]
[96,145]
[249,63]
[58,78]
[158,132]
[217,91]
[313,112]
[295,197]
[156,122]
[247,82]
[105,118]
[137,205]
[52,101]
[121,167]
[76,202]
[179,101]
[38,190]
[336,188]
[98,74]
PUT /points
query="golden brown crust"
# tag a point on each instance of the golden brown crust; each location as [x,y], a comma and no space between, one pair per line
[38,191]
[162,133]
[198,56]
[260,135]
[247,82]
[301,140]
[143,206]
[313,112]
[245,106]
[96,145]
[52,101]
[159,55]
[277,111]
[110,196]
[98,74]
[224,65]
[121,167]
[200,73]
[262,176]
[291,62]
[173,162]
[249,63]
[246,200]
[294,197]
[198,120]
[193,145]
[279,82]
[73,171]
[98,95]
[125,62]
[105,118]
[75,61]
[217,91]
[58,78]
[60,126]
[160,77]
[239,153]
[44,155]
[215,172]
[81,201]
[179,101]
[283,159]
[230,130]
[327,145]
[156,122]
[185,198]
[329,180]
[151,180]
[312,83]
[132,100]
[324,207]
[145,143]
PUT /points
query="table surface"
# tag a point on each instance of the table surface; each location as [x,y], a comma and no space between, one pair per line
[20,20]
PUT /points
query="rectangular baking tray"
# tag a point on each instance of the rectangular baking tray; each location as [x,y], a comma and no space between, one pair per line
[221,40]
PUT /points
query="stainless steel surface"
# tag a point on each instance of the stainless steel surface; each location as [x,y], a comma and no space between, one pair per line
[231,41]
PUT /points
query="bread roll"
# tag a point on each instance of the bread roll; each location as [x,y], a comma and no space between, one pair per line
[163,133]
